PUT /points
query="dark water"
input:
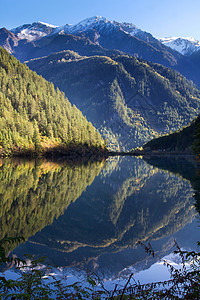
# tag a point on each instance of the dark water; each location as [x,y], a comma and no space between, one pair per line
[91,216]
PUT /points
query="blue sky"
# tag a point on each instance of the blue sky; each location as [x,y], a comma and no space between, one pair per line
[160,17]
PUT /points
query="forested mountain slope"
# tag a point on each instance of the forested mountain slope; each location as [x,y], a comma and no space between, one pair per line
[34,117]
[128,99]
[185,140]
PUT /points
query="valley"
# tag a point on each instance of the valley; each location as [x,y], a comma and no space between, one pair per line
[114,73]
[99,150]
[129,100]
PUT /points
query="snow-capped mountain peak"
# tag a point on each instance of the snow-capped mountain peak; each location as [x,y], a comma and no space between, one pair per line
[99,25]
[99,21]
[96,25]
[184,45]
[34,31]
[87,24]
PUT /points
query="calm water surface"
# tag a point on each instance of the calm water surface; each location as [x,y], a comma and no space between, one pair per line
[91,216]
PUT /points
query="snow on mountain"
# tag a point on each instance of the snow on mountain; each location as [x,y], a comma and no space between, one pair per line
[111,35]
[98,29]
[101,24]
[87,24]
[185,46]
[97,24]
[34,31]
[128,28]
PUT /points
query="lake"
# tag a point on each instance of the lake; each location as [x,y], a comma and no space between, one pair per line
[90,217]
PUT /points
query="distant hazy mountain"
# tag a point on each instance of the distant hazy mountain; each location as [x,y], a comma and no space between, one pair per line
[127,99]
[185,46]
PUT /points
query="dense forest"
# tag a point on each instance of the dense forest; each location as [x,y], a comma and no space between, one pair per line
[35,117]
[128,99]
[185,140]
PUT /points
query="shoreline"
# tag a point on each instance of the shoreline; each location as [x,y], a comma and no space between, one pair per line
[151,153]
[90,153]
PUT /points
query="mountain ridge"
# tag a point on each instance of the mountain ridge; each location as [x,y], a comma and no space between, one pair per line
[99,36]
[112,35]
[127,99]
[35,118]
[95,36]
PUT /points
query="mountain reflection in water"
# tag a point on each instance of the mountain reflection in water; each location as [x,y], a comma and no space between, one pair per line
[91,216]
